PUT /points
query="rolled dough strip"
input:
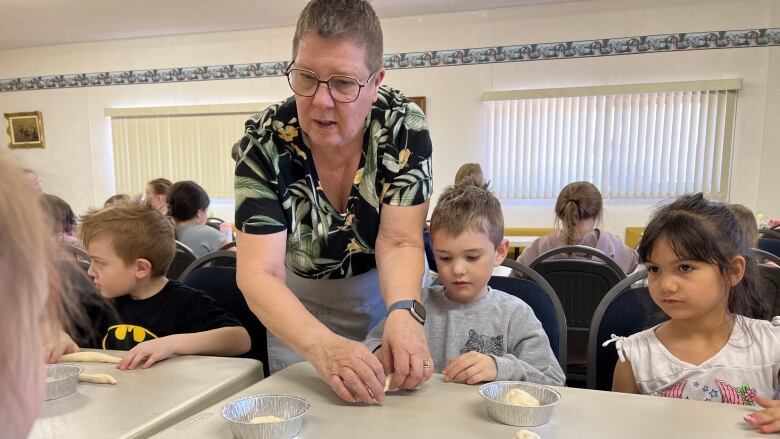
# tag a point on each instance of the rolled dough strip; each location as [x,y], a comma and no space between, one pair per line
[89,357]
[97,378]
[388,378]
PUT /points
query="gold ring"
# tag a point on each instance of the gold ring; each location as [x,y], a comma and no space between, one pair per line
[426,364]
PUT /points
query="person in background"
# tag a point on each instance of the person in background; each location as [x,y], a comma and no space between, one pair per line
[469,171]
[62,219]
[156,194]
[235,151]
[748,226]
[117,199]
[26,262]
[578,211]
[188,205]
[36,184]
[717,344]
[477,333]
[332,192]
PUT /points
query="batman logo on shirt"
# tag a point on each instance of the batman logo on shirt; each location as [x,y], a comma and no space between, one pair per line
[125,337]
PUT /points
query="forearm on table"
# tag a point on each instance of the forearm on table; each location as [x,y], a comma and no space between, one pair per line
[231,340]
[400,264]
[282,313]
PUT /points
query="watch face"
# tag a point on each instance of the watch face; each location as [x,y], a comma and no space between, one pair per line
[419,309]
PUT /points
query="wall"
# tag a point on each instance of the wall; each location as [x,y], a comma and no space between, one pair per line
[77,162]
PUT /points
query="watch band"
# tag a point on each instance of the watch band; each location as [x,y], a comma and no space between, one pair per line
[415,308]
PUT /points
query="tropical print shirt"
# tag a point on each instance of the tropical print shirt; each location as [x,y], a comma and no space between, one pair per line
[277,187]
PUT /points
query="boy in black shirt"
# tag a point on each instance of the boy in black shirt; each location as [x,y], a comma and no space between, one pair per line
[131,247]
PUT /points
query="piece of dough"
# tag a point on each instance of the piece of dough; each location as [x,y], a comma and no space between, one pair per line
[265,420]
[520,398]
[89,357]
[388,378]
[526,434]
[50,379]
[97,378]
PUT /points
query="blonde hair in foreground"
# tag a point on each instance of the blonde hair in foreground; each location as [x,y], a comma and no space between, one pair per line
[28,274]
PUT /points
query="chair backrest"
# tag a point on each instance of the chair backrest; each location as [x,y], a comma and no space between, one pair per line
[219,258]
[579,283]
[763,255]
[539,295]
[770,277]
[429,256]
[228,246]
[77,253]
[220,284]
[769,245]
[623,311]
[181,260]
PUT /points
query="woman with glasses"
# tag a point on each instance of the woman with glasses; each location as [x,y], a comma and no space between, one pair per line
[332,191]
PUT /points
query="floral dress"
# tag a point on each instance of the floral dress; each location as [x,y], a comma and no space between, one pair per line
[277,187]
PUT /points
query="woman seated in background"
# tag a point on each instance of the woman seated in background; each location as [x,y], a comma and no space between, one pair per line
[578,211]
[156,194]
[188,205]
[62,219]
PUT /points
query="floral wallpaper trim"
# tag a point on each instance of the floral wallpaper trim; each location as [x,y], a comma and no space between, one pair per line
[675,42]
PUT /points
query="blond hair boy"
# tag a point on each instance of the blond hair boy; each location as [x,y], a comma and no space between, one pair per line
[131,246]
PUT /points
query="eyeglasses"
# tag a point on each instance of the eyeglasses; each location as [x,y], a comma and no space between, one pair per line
[342,88]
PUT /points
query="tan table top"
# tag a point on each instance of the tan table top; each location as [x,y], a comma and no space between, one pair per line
[446,410]
[144,401]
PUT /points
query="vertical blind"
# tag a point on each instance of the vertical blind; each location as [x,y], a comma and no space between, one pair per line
[178,143]
[630,141]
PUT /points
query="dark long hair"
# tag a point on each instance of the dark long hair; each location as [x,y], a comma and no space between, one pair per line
[707,231]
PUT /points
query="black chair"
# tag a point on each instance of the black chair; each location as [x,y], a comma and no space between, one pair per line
[539,295]
[770,232]
[77,253]
[181,260]
[763,255]
[580,285]
[214,222]
[219,258]
[770,278]
[623,311]
[429,251]
[220,284]
[769,245]
[228,246]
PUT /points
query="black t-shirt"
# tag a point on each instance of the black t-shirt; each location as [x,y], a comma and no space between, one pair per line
[176,309]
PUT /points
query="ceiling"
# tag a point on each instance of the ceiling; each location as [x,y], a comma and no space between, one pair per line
[27,23]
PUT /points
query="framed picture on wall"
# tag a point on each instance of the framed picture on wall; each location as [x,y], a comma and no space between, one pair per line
[25,130]
[419,100]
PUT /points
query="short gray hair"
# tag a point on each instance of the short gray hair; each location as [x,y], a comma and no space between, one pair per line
[350,19]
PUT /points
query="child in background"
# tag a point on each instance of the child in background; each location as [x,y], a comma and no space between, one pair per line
[156,194]
[476,333]
[578,211]
[748,226]
[188,205]
[114,200]
[131,246]
[701,274]
[62,219]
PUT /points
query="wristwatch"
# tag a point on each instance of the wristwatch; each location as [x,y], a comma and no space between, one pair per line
[416,309]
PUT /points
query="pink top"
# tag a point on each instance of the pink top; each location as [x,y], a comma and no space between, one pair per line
[606,242]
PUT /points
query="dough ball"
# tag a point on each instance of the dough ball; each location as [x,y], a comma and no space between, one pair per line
[265,420]
[526,434]
[520,398]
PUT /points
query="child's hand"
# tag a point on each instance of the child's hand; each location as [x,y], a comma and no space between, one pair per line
[61,344]
[151,351]
[471,368]
[767,420]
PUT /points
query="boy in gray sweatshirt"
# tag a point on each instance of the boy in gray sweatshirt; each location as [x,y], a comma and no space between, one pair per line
[477,333]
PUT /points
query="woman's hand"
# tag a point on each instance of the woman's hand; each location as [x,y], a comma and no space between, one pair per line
[767,420]
[350,369]
[404,350]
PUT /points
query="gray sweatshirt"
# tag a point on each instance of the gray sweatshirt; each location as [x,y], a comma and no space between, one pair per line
[499,325]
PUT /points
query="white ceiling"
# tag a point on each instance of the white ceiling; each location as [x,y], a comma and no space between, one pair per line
[27,23]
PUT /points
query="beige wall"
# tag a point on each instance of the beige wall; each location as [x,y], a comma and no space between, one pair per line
[77,163]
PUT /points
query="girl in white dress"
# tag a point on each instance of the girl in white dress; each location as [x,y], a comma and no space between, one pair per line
[718,344]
